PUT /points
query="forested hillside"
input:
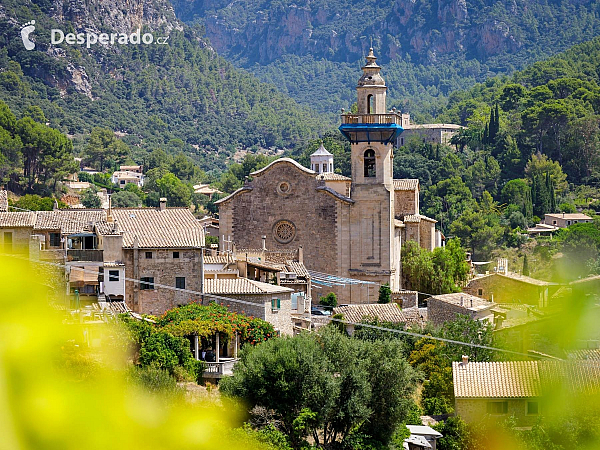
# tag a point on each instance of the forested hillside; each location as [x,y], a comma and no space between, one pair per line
[429,48]
[179,97]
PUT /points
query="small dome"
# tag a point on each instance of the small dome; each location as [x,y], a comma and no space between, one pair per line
[371,75]
[321,151]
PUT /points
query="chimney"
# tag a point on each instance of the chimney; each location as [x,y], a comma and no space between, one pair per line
[462,303]
[264,242]
[162,203]
[300,254]
[465,360]
[471,303]
[115,227]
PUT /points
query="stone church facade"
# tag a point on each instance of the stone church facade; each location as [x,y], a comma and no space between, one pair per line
[347,227]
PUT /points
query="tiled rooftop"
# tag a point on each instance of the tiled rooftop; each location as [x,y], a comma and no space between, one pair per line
[406,184]
[523,379]
[242,286]
[465,300]
[17,219]
[69,220]
[509,379]
[218,259]
[169,228]
[386,312]
[330,176]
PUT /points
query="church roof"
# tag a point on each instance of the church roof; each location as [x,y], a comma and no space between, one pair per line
[406,184]
[230,196]
[335,194]
[330,176]
[321,151]
[282,161]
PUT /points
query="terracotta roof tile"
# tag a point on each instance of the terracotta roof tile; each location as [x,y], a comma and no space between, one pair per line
[169,228]
[218,259]
[468,301]
[509,379]
[406,184]
[330,176]
[242,286]
[69,221]
[386,312]
[17,219]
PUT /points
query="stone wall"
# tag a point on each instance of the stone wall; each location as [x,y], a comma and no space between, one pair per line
[20,239]
[406,202]
[312,213]
[164,268]
[427,235]
[439,311]
[501,289]
[473,410]
[406,299]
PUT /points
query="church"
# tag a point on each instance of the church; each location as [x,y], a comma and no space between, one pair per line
[347,227]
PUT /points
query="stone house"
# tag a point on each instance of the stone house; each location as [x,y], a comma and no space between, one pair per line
[508,287]
[124,177]
[269,302]
[351,228]
[497,390]
[522,389]
[563,220]
[435,133]
[161,248]
[445,308]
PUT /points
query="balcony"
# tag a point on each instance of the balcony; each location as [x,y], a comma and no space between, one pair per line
[384,128]
[391,118]
[220,369]
[85,255]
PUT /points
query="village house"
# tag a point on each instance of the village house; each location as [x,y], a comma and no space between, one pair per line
[348,227]
[269,302]
[509,287]
[434,133]
[563,220]
[124,177]
[518,389]
[446,307]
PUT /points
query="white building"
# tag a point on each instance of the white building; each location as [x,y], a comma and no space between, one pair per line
[123,177]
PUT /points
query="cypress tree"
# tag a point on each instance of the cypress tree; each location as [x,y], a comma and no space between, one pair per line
[551,194]
[525,266]
[497,121]
[543,197]
[486,134]
[534,199]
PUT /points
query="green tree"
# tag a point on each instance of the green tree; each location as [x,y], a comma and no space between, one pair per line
[384,293]
[525,270]
[330,300]
[327,385]
[104,149]
[174,190]
[447,200]
[124,199]
[465,329]
[90,199]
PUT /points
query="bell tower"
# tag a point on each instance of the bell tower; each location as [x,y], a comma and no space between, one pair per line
[373,130]
[374,251]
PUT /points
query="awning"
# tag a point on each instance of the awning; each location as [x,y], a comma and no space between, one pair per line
[81,276]
[81,235]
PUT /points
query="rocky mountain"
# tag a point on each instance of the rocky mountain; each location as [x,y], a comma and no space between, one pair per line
[456,41]
[179,96]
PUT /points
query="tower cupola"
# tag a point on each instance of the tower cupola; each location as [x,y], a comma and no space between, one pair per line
[371,88]
[321,161]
